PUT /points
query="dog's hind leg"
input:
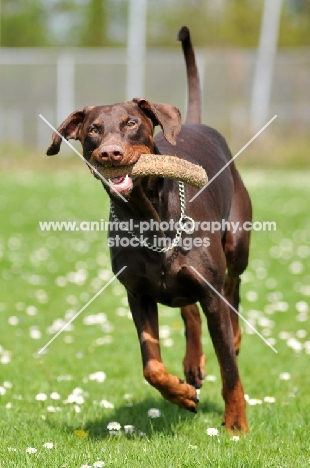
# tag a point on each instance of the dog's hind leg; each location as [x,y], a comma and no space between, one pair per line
[236,248]
[145,315]
[231,294]
[194,360]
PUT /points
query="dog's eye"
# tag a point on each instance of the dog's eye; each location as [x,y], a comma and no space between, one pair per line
[131,123]
[93,131]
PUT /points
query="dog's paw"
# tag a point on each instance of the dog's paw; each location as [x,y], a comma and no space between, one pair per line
[195,372]
[235,418]
[183,395]
[236,427]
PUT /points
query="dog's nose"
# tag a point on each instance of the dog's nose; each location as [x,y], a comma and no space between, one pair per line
[113,153]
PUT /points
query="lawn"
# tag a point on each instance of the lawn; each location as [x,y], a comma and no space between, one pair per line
[91,374]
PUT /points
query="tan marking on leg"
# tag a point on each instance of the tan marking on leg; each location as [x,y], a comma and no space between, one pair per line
[147,337]
[170,386]
[235,404]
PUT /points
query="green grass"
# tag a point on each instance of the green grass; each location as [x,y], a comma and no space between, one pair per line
[36,279]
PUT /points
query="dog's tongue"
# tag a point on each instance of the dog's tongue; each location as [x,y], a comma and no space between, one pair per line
[122,184]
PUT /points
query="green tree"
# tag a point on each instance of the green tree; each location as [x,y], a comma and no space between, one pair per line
[23,24]
[237,23]
[99,23]
[94,30]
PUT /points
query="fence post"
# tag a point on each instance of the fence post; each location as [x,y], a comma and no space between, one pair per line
[65,87]
[136,48]
[264,66]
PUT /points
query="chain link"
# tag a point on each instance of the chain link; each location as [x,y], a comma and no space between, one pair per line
[186,224]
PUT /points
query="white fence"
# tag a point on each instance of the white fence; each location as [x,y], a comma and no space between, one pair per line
[56,82]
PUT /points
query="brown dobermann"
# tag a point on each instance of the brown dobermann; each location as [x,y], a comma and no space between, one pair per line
[117,135]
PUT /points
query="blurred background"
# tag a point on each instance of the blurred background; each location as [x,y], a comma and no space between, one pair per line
[253,55]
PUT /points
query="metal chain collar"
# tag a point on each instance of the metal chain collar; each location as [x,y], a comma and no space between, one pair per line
[183,226]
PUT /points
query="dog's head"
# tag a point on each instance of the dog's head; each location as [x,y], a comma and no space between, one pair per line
[118,134]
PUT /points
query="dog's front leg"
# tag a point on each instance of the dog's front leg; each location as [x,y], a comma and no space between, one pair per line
[221,333]
[145,315]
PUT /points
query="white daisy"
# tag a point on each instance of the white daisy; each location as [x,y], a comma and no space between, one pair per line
[13,320]
[300,334]
[41,397]
[78,391]
[269,399]
[106,404]
[113,426]
[129,429]
[51,409]
[7,384]
[6,357]
[254,401]
[48,445]
[168,342]
[212,431]
[99,376]
[285,376]
[211,378]
[153,413]
[31,450]
[31,310]
[35,333]
[77,399]
[302,307]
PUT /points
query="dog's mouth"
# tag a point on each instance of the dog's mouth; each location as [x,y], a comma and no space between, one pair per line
[116,178]
[122,178]
[121,184]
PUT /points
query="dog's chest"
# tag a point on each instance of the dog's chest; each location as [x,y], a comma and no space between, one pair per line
[167,291]
[167,283]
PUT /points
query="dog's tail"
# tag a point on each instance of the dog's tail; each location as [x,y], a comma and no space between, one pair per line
[193,115]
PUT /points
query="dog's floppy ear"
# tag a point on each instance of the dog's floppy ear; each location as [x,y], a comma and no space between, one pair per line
[165,115]
[69,129]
